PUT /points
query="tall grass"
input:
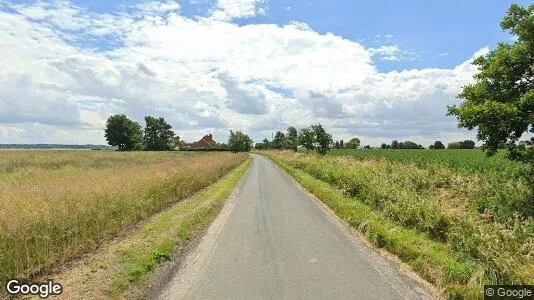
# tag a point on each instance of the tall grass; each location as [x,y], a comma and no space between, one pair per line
[56,205]
[465,161]
[479,216]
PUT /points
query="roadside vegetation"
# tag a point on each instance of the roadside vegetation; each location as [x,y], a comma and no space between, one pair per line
[123,267]
[466,161]
[57,205]
[468,229]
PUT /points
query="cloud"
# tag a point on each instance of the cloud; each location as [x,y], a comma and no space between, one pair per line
[228,10]
[243,99]
[206,74]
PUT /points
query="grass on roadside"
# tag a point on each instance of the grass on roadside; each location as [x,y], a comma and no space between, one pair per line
[57,205]
[122,268]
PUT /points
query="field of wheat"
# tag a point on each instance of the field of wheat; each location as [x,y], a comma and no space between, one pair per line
[482,219]
[56,205]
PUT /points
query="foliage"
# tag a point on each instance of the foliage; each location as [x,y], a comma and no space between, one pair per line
[322,139]
[500,103]
[292,140]
[307,138]
[159,135]
[263,145]
[354,143]
[123,133]
[437,145]
[484,218]
[279,140]
[239,142]
[464,161]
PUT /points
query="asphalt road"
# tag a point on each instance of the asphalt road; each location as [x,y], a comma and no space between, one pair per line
[273,241]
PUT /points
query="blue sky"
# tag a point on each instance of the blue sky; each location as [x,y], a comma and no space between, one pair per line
[379,70]
[440,34]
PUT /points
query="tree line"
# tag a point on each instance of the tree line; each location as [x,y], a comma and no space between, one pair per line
[127,135]
[310,138]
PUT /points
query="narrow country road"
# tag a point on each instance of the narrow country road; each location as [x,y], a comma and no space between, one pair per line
[273,241]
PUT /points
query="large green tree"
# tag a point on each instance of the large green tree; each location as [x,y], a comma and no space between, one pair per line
[279,140]
[322,138]
[158,134]
[307,138]
[292,140]
[239,142]
[500,102]
[123,133]
[354,143]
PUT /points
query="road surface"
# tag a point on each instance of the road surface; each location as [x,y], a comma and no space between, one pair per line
[274,241]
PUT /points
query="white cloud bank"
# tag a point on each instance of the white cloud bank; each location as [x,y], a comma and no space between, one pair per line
[64,70]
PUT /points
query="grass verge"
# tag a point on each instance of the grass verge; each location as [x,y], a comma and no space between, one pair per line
[122,268]
[451,271]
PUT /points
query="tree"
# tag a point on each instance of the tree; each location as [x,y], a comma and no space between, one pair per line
[383,146]
[158,134]
[341,145]
[395,144]
[239,142]
[267,143]
[323,139]
[336,145]
[354,143]
[123,133]
[454,145]
[367,147]
[279,140]
[292,140]
[307,138]
[500,102]
[437,145]
[467,144]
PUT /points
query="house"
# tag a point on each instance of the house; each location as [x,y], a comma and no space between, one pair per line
[205,142]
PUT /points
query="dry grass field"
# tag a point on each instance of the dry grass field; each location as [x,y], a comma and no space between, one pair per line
[56,205]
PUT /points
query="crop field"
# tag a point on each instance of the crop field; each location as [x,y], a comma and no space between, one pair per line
[56,205]
[460,220]
[466,161]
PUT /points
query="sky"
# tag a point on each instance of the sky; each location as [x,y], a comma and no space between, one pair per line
[378,70]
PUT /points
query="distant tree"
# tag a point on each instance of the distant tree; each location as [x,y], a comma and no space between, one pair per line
[239,142]
[292,140]
[322,138]
[307,138]
[341,145]
[454,145]
[158,134]
[383,146]
[395,144]
[336,145]
[354,143]
[367,147]
[438,145]
[123,133]
[267,143]
[467,144]
[279,140]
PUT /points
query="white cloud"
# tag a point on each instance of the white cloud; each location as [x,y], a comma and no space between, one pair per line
[206,74]
[237,9]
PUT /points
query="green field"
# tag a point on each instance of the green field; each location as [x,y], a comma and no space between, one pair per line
[464,161]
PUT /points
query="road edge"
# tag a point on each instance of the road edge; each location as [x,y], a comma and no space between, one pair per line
[386,263]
